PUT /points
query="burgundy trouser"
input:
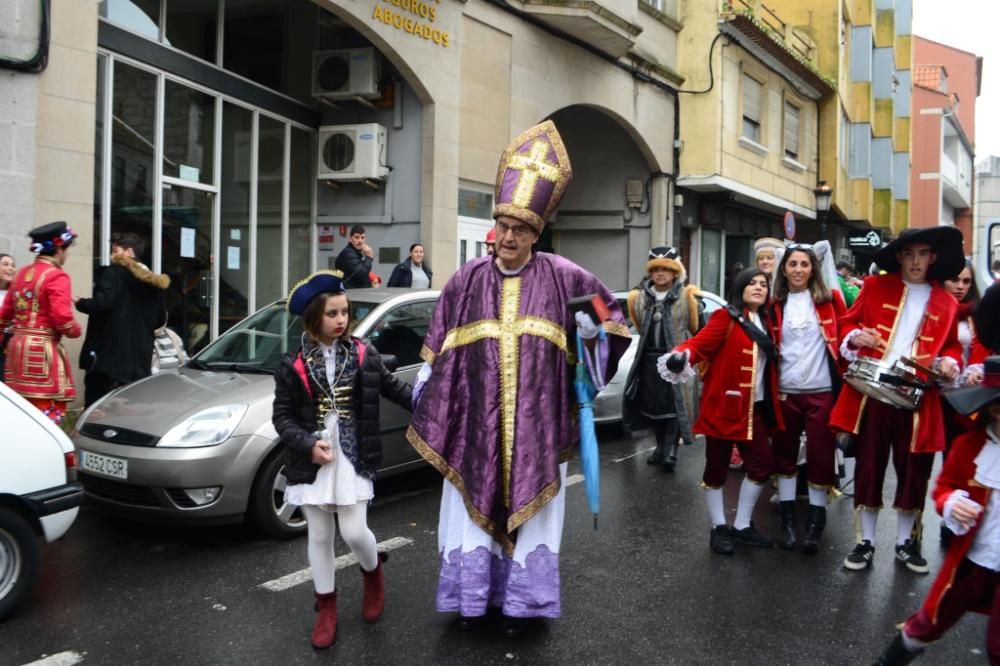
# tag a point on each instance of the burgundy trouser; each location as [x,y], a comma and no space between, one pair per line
[973,586]
[757,458]
[809,412]
[885,428]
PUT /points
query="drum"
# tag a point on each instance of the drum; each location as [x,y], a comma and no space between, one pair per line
[894,385]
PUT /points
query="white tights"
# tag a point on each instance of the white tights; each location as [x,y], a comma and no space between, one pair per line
[354,531]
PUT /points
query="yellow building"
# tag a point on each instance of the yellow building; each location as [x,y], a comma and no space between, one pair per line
[749,125]
[866,47]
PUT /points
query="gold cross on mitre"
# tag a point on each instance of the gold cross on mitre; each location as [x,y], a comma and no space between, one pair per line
[508,329]
[532,166]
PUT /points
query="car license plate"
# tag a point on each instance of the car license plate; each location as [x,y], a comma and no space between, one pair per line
[105,465]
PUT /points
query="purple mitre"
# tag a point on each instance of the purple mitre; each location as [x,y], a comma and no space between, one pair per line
[533,175]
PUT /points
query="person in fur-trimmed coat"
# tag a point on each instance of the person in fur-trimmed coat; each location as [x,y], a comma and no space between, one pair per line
[126,309]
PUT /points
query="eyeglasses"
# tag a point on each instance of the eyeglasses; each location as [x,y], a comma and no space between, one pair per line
[520,231]
[799,246]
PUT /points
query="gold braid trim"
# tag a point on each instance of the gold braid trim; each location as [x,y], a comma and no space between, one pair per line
[617,328]
[428,355]
[525,513]
[452,475]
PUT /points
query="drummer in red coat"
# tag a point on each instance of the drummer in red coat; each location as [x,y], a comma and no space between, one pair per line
[904,313]
[39,305]
[738,403]
[967,496]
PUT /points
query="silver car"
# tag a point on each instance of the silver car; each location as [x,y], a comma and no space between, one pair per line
[197,443]
[608,403]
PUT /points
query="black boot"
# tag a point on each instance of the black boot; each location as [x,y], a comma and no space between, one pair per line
[657,457]
[814,532]
[896,654]
[670,460]
[788,540]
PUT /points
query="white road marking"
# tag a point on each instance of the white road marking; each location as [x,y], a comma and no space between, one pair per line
[61,659]
[573,479]
[637,453]
[305,575]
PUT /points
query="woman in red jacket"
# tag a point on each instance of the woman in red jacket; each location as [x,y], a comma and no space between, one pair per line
[738,404]
[806,313]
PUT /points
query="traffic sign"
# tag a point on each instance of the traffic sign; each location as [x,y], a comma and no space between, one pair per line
[789,225]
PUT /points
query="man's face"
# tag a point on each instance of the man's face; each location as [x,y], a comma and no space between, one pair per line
[914,260]
[358,240]
[117,250]
[662,277]
[514,241]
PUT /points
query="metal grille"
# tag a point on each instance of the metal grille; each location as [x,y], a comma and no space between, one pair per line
[116,491]
[122,436]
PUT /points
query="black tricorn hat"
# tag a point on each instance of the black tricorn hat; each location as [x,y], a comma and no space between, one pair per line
[946,242]
[987,318]
[972,399]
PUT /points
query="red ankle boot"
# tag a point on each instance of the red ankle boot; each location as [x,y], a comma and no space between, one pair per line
[325,630]
[374,601]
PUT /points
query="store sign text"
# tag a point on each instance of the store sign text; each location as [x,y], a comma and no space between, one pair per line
[413,16]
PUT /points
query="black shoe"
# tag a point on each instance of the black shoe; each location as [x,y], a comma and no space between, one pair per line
[909,554]
[670,459]
[514,627]
[749,536]
[861,557]
[655,459]
[788,539]
[814,532]
[721,540]
[464,623]
[897,654]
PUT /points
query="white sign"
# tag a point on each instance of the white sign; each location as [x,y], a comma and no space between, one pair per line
[187,242]
[232,258]
[191,173]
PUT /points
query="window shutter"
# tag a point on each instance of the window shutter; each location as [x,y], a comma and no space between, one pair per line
[751,99]
[791,130]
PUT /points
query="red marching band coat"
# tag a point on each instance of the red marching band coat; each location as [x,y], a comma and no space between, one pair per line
[879,306]
[958,473]
[39,305]
[727,400]
[829,314]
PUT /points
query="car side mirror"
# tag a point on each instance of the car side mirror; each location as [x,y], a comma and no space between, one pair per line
[390,361]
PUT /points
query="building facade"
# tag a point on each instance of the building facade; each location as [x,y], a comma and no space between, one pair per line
[946,84]
[243,139]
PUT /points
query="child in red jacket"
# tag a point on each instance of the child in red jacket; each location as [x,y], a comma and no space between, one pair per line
[967,496]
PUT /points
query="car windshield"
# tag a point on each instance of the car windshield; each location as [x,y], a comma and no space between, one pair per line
[257,344]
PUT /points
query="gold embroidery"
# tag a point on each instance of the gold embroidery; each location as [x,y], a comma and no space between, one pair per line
[933,317]
[748,368]
[861,412]
[617,328]
[753,383]
[533,167]
[891,307]
[427,354]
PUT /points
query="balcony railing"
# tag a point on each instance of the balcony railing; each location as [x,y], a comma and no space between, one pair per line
[779,29]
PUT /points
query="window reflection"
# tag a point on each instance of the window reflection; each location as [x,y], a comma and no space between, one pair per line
[138,16]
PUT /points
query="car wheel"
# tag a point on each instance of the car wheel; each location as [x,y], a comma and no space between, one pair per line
[19,555]
[269,512]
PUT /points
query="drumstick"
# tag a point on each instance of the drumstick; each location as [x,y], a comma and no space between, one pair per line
[934,374]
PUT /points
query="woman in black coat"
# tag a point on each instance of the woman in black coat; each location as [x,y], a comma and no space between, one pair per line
[414,272]
[326,411]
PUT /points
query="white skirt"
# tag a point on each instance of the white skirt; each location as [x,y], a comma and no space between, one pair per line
[337,482]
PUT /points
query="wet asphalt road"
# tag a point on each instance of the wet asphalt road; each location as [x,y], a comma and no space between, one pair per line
[643,589]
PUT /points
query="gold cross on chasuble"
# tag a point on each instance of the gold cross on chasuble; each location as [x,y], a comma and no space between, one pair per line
[508,331]
[532,167]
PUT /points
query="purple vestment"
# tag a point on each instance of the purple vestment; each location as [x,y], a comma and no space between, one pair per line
[499,413]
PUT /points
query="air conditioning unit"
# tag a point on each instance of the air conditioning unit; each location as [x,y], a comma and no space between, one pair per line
[270,156]
[352,152]
[346,73]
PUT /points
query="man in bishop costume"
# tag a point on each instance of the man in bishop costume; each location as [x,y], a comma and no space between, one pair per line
[496,411]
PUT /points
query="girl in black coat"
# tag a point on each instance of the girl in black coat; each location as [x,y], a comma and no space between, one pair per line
[326,411]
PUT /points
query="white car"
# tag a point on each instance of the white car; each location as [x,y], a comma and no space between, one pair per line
[608,403]
[39,493]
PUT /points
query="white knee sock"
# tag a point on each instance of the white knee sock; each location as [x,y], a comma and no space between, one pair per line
[904,525]
[817,496]
[355,533]
[868,520]
[713,498]
[322,530]
[749,492]
[786,489]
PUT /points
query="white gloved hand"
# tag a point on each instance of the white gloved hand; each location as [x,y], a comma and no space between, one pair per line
[586,326]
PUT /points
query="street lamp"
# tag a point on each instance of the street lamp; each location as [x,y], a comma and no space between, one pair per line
[823,194]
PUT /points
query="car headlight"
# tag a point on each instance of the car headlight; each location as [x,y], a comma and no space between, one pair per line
[209,427]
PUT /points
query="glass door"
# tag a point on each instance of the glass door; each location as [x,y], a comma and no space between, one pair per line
[187,241]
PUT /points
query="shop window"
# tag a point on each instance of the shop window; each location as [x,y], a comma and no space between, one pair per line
[133,137]
[188,133]
[234,272]
[475,204]
[270,202]
[752,109]
[192,26]
[300,184]
[791,131]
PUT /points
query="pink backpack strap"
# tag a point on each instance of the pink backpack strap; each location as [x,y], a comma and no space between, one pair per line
[361,351]
[300,370]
